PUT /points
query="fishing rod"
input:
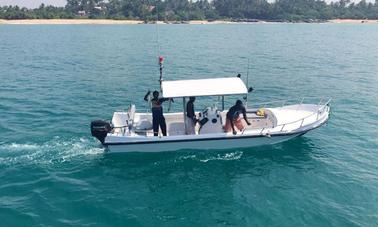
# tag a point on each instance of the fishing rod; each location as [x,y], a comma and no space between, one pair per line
[250,89]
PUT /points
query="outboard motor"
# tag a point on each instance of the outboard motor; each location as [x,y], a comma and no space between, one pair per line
[100,129]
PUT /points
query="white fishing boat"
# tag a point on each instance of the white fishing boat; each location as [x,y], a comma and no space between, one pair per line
[131,131]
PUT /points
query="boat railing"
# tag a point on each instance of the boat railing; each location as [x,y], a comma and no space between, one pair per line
[281,103]
[322,105]
[124,128]
[319,112]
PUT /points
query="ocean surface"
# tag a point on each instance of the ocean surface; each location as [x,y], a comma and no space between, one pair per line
[54,80]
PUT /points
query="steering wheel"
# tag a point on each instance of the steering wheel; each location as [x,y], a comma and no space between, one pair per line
[204,111]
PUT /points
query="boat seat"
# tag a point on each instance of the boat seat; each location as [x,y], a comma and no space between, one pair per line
[120,121]
[143,125]
[176,128]
[131,112]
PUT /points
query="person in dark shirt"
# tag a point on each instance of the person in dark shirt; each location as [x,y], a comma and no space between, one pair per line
[233,117]
[157,113]
[190,119]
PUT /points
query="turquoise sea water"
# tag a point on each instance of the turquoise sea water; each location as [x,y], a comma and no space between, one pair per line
[55,79]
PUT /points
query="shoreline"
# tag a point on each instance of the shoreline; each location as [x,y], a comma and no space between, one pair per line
[195,22]
[352,21]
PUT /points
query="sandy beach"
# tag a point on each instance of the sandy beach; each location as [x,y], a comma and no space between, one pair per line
[70,21]
[353,21]
[108,21]
[105,21]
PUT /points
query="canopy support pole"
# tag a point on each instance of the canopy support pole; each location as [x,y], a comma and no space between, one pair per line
[246,101]
[184,107]
[222,102]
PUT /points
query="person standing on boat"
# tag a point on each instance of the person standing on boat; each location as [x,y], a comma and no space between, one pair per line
[190,120]
[158,119]
[233,117]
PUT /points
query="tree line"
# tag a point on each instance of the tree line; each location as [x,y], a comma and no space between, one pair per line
[184,10]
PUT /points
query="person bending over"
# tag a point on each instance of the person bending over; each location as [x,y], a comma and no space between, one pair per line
[233,117]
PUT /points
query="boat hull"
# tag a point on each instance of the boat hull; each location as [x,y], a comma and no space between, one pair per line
[213,144]
[293,121]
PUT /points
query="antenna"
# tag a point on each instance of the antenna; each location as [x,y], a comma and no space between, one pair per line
[157,30]
[160,58]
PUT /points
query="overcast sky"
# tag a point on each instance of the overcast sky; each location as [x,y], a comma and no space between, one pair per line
[36,3]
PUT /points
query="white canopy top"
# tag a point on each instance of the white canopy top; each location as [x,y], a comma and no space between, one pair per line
[203,87]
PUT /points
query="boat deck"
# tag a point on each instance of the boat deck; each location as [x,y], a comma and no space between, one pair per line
[142,124]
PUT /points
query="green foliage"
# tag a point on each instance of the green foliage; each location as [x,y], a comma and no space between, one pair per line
[43,12]
[182,10]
